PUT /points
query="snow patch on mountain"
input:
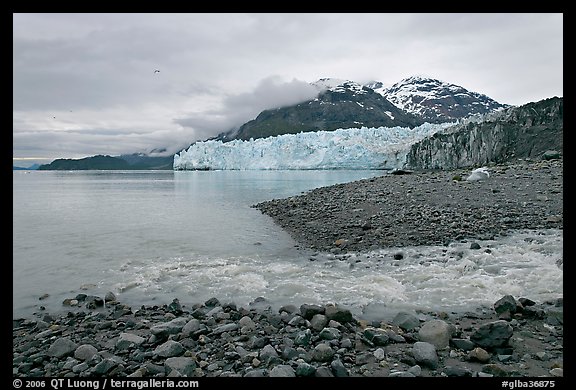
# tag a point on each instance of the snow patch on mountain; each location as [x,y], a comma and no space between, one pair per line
[339,85]
[435,100]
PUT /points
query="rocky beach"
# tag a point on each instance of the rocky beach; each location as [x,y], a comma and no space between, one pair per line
[431,207]
[514,337]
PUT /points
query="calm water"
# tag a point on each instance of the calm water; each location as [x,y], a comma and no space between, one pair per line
[152,236]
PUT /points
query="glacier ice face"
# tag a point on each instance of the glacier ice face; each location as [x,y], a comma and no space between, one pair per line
[356,148]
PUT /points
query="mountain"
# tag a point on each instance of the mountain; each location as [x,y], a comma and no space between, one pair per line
[346,104]
[134,161]
[30,168]
[533,130]
[144,161]
[436,101]
[340,104]
[96,162]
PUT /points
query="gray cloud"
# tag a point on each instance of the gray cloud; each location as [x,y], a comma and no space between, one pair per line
[238,109]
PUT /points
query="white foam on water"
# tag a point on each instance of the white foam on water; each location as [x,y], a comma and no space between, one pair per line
[449,278]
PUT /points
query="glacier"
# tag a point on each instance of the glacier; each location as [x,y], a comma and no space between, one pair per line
[353,148]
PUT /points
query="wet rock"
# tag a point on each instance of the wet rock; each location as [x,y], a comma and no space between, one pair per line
[406,321]
[492,334]
[159,344]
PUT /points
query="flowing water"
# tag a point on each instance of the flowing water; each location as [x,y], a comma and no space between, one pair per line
[152,236]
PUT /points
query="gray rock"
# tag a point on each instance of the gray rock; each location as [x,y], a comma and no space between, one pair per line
[191,326]
[77,369]
[380,354]
[214,311]
[457,371]
[406,321]
[305,369]
[170,348]
[318,322]
[282,370]
[62,347]
[555,316]
[303,338]
[246,322]
[463,344]
[129,340]
[324,372]
[110,297]
[338,313]
[506,304]
[436,332]
[322,353]
[377,336]
[474,245]
[185,366]
[338,368]
[557,372]
[308,311]
[551,155]
[226,328]
[139,373]
[256,373]
[69,363]
[401,374]
[288,309]
[212,302]
[297,321]
[492,334]
[171,327]
[85,352]
[104,366]
[329,334]
[289,353]
[416,370]
[256,342]
[267,353]
[479,354]
[425,354]
[495,370]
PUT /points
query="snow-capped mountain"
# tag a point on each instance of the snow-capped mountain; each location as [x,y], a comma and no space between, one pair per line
[344,104]
[340,104]
[525,131]
[434,100]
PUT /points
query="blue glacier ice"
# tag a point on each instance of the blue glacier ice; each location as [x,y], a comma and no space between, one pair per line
[355,148]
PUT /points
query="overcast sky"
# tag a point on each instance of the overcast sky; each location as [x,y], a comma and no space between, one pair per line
[85,84]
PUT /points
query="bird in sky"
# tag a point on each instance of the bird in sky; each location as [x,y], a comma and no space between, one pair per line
[156,71]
